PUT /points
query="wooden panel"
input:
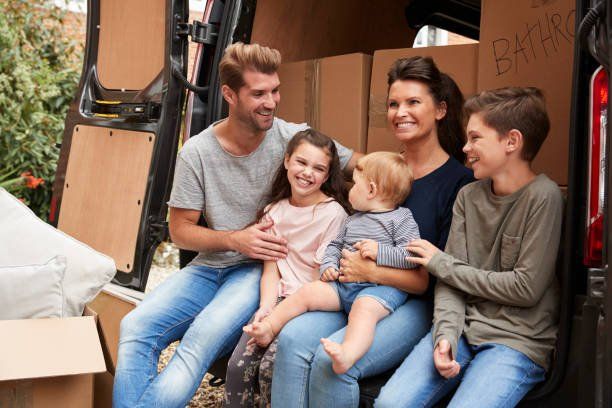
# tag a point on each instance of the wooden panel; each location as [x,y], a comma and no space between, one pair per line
[106,181]
[325,28]
[131,42]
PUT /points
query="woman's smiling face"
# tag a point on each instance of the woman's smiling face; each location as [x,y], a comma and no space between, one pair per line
[411,111]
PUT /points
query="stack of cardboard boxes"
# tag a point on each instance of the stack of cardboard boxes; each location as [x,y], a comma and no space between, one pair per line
[520,44]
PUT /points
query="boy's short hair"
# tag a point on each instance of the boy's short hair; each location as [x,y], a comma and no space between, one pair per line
[390,172]
[510,108]
[239,57]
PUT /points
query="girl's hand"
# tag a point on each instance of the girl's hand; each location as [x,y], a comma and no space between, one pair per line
[354,268]
[262,312]
[329,275]
[424,251]
[367,248]
[446,366]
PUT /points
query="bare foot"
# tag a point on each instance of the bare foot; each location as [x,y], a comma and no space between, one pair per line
[261,332]
[341,362]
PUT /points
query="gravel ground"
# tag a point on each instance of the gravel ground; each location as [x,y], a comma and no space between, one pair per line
[165,264]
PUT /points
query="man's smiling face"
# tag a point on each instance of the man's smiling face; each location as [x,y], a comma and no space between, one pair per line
[257,100]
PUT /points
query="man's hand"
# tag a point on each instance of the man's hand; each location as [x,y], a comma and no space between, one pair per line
[446,366]
[424,251]
[255,242]
[330,275]
[367,248]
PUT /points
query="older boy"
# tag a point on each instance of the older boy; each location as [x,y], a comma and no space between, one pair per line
[496,299]
[222,173]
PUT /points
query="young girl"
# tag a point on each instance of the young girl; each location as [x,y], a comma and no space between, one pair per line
[307,203]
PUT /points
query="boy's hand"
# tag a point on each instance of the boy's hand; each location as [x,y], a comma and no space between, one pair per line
[424,251]
[446,366]
[367,248]
[329,275]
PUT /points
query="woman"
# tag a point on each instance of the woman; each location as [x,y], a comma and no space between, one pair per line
[424,112]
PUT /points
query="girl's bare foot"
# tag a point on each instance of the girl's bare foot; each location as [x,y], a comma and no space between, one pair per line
[341,362]
[261,332]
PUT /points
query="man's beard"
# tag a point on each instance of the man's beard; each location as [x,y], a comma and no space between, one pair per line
[251,122]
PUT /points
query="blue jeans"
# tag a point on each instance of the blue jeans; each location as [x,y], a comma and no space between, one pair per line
[492,375]
[303,375]
[205,308]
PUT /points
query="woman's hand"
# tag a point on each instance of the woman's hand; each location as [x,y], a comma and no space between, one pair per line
[424,251]
[354,268]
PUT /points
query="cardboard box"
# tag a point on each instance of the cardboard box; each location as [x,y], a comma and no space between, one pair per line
[527,43]
[459,61]
[49,362]
[330,94]
[306,29]
[110,306]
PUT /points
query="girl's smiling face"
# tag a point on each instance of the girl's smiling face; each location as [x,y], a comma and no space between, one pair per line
[307,169]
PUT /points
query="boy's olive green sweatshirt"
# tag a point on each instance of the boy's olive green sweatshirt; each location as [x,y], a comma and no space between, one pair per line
[496,278]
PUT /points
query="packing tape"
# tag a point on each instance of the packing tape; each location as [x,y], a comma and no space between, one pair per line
[312,82]
[377,111]
[17,394]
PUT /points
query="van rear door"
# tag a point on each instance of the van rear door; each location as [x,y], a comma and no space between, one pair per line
[121,132]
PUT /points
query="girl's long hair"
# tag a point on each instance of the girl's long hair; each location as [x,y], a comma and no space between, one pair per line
[333,187]
[451,128]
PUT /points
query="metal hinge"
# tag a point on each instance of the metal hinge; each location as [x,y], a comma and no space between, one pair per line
[118,109]
[596,285]
[158,230]
[202,33]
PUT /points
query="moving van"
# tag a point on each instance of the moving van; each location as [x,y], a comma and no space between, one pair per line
[131,109]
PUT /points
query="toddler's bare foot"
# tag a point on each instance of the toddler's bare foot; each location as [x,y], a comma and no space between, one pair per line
[341,361]
[261,332]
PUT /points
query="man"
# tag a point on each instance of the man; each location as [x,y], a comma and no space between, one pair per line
[223,173]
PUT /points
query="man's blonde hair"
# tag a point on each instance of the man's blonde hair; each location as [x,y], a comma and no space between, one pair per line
[240,57]
[392,176]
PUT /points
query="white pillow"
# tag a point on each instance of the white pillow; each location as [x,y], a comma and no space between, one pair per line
[27,240]
[32,291]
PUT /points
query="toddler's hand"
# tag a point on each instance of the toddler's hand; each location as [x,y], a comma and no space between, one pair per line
[367,248]
[329,275]
[446,366]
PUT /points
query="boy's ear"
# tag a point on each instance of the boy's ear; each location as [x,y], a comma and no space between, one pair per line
[373,190]
[441,111]
[514,141]
[229,95]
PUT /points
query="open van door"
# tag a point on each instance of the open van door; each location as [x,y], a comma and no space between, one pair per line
[121,132]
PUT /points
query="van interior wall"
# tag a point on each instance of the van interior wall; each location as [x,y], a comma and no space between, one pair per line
[306,29]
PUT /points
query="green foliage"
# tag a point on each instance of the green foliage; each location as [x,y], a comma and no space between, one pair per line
[38,78]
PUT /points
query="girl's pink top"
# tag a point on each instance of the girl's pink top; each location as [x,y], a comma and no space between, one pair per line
[307,230]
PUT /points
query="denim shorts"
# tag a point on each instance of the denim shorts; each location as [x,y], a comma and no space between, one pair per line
[390,298]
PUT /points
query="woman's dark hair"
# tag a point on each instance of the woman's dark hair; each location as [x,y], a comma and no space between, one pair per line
[451,128]
[333,187]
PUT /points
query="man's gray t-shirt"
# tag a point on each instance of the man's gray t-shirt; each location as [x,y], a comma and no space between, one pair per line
[230,189]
